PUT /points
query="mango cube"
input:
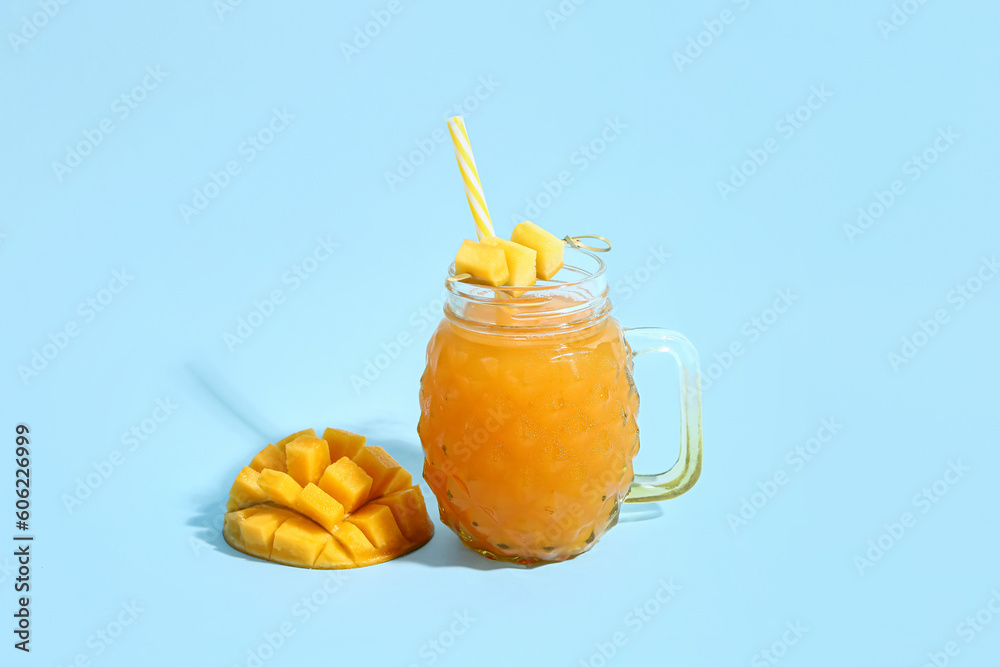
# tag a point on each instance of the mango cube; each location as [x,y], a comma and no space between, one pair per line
[399,479]
[354,542]
[298,541]
[333,557]
[320,507]
[485,262]
[279,487]
[548,247]
[245,490]
[410,512]
[380,467]
[347,483]
[257,531]
[343,443]
[281,444]
[231,528]
[307,458]
[520,262]
[269,457]
[379,526]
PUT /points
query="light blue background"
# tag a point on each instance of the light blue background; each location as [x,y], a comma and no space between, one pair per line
[149,533]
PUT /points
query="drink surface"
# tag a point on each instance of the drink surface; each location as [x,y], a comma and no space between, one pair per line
[528,440]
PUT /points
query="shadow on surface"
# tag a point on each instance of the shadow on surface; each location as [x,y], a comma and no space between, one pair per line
[228,398]
[445,550]
[208,521]
[639,512]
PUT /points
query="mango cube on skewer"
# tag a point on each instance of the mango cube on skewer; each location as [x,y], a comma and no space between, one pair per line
[547,245]
[485,262]
[520,262]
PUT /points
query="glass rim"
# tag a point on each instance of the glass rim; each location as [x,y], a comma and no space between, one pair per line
[454,287]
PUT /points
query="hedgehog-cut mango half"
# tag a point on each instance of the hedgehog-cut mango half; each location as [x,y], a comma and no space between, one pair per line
[328,502]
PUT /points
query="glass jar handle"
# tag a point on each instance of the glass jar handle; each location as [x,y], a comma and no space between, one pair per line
[684,473]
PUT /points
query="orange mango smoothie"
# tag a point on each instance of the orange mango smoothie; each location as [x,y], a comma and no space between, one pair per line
[529,435]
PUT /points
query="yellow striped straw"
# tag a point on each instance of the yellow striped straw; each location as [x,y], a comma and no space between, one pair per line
[473,187]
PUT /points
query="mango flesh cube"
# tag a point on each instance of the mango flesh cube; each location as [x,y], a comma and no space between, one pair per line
[231,528]
[298,541]
[333,557]
[410,512]
[354,542]
[279,487]
[245,490]
[379,526]
[269,457]
[343,443]
[485,262]
[520,262]
[380,467]
[320,507]
[257,531]
[399,479]
[307,458]
[347,483]
[548,247]
[281,444]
